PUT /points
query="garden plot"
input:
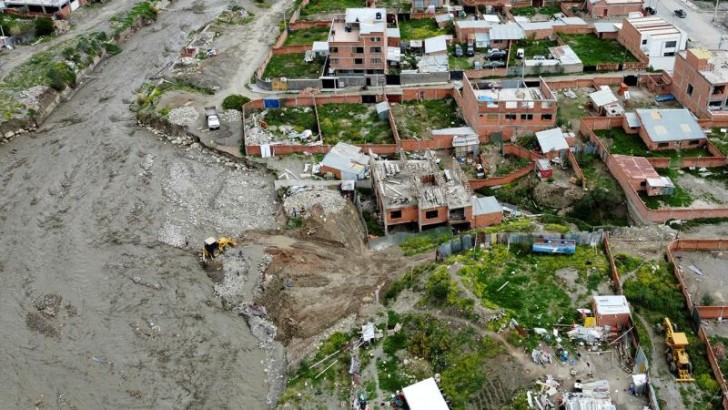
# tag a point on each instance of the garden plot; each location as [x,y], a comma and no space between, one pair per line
[420,29]
[417,119]
[353,123]
[593,50]
[291,124]
[705,191]
[307,36]
[324,9]
[710,285]
[292,66]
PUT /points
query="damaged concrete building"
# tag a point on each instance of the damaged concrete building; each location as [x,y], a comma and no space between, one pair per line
[417,195]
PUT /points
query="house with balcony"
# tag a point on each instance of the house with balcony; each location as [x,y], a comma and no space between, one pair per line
[653,40]
[505,108]
[700,82]
[358,42]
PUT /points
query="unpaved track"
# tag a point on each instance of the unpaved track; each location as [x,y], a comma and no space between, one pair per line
[83,206]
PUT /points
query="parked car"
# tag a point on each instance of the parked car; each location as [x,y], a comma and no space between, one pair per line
[495,55]
[471,50]
[494,64]
[458,50]
[680,13]
[650,10]
[539,57]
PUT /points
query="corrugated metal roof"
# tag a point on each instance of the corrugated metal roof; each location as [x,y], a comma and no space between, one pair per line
[454,131]
[551,140]
[573,21]
[492,18]
[346,158]
[632,120]
[670,124]
[465,141]
[435,44]
[565,55]
[486,205]
[545,25]
[474,24]
[603,97]
[509,31]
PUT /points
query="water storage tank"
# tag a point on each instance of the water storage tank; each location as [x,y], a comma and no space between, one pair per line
[379,15]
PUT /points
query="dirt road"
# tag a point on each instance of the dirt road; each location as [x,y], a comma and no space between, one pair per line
[97,211]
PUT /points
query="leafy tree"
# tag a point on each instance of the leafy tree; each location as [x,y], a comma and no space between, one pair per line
[234,102]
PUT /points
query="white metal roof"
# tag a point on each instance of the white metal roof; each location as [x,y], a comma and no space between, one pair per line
[509,31]
[611,305]
[486,205]
[605,27]
[474,24]
[454,131]
[393,32]
[365,15]
[441,18]
[632,120]
[320,47]
[603,97]
[552,140]
[493,18]
[435,44]
[573,21]
[424,395]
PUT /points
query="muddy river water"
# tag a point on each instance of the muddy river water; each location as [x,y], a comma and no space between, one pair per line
[102,303]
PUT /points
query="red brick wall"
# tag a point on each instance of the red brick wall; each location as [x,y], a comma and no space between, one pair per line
[409,214]
[487,220]
[685,75]
[442,216]
[631,39]
[598,9]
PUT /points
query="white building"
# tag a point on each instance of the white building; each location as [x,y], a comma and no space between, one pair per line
[654,39]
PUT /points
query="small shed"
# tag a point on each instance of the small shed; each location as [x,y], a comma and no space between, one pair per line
[346,162]
[436,45]
[660,186]
[320,48]
[443,19]
[425,395]
[612,310]
[604,102]
[382,110]
[466,145]
[552,143]
[486,211]
[543,168]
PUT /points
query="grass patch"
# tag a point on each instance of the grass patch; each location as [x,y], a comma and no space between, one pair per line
[410,280]
[307,36]
[510,165]
[526,285]
[459,63]
[458,353]
[292,66]
[420,29]
[719,139]
[401,5]
[680,199]
[419,118]
[300,118]
[353,123]
[425,241]
[328,6]
[593,51]
[531,11]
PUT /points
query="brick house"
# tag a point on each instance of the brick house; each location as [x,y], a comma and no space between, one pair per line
[358,42]
[700,82]
[612,310]
[673,128]
[653,40]
[611,8]
[507,106]
[641,175]
[416,195]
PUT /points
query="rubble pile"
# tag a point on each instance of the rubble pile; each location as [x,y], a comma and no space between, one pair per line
[30,98]
[300,201]
[258,136]
[229,116]
[184,116]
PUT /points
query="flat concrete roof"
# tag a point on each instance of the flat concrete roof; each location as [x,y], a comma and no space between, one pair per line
[365,15]
[670,124]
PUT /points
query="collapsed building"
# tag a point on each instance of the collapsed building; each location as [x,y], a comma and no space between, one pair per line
[417,195]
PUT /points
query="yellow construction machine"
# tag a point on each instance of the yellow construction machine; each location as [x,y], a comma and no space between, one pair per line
[676,354]
[214,247]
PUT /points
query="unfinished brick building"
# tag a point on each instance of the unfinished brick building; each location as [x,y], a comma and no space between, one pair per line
[416,195]
[509,107]
[700,82]
[358,42]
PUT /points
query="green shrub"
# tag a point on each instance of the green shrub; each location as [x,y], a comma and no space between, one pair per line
[60,76]
[234,102]
[44,26]
[112,48]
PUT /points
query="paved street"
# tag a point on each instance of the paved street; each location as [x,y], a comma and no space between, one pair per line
[698,23]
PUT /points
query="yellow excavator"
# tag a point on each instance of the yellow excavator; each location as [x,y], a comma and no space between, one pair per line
[214,247]
[676,354]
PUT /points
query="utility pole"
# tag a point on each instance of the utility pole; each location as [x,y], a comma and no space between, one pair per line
[715,11]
